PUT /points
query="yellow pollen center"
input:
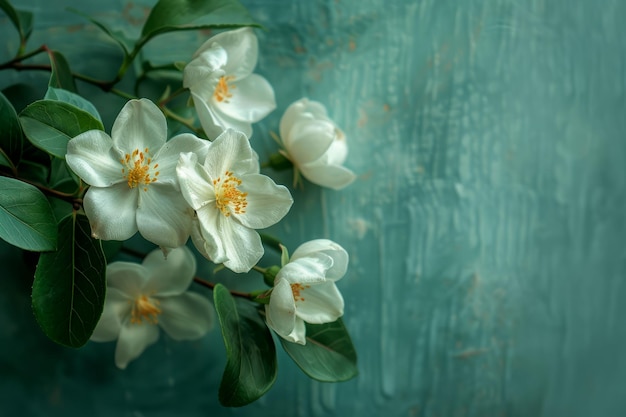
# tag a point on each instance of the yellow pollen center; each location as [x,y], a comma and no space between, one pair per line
[228,198]
[296,288]
[145,309]
[137,169]
[223,91]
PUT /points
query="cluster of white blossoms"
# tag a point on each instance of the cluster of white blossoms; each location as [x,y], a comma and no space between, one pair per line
[211,191]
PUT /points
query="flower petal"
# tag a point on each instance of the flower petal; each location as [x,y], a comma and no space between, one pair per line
[204,239]
[163,216]
[172,275]
[298,335]
[242,48]
[195,184]
[334,250]
[169,154]
[321,303]
[111,211]
[127,277]
[91,156]
[280,313]
[267,202]
[330,176]
[252,99]
[294,112]
[309,140]
[309,270]
[241,245]
[207,64]
[133,340]
[231,151]
[116,307]
[139,125]
[187,316]
[214,122]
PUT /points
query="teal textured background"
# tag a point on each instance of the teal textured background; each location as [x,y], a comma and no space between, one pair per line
[486,229]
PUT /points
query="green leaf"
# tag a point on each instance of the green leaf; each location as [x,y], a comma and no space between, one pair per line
[70,284]
[172,15]
[50,124]
[10,134]
[116,36]
[74,99]
[251,355]
[61,76]
[22,20]
[26,218]
[328,354]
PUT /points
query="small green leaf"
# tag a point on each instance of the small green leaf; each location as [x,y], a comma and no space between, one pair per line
[50,124]
[251,355]
[116,36]
[172,15]
[61,76]
[74,99]
[70,284]
[22,20]
[10,135]
[328,354]
[26,218]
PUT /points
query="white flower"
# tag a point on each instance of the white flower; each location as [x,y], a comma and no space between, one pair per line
[231,199]
[305,291]
[225,92]
[315,145]
[132,175]
[143,297]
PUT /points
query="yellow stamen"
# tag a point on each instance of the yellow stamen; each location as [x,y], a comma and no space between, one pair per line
[296,288]
[137,169]
[145,308]
[227,197]
[223,91]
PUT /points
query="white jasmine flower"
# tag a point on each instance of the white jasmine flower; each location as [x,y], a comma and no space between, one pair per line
[305,291]
[143,297]
[315,145]
[231,199]
[132,177]
[225,92]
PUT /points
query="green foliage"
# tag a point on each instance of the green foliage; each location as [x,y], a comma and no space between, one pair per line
[61,76]
[70,284]
[26,218]
[328,354]
[22,20]
[251,366]
[74,99]
[50,124]
[117,36]
[172,15]
[11,134]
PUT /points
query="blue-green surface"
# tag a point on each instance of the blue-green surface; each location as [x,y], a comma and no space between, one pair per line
[486,229]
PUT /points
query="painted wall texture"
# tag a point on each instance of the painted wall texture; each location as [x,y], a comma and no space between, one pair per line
[486,229]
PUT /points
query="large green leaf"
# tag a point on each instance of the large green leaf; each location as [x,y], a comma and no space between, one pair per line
[61,76]
[70,284]
[74,99]
[251,366]
[10,134]
[26,218]
[22,20]
[172,15]
[50,124]
[328,354]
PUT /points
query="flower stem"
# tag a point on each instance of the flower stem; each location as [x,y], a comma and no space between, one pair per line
[212,285]
[70,198]
[22,57]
